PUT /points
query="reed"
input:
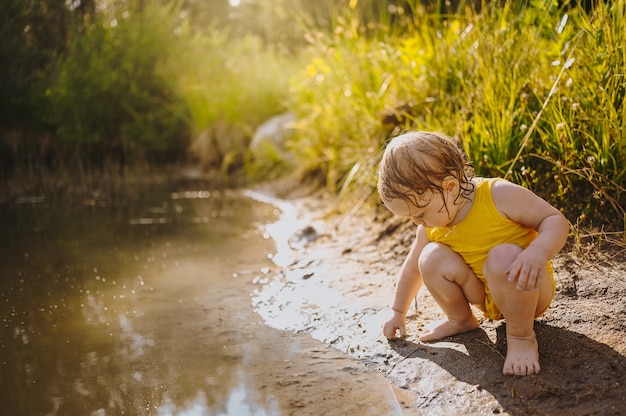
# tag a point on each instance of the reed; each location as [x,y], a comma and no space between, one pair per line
[534,93]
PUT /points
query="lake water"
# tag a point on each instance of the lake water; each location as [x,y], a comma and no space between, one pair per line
[138,303]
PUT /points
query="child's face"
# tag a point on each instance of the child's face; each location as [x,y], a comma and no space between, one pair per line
[431,212]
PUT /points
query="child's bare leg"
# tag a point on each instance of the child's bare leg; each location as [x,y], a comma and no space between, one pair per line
[454,286]
[519,308]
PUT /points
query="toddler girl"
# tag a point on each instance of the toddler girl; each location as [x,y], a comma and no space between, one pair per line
[480,241]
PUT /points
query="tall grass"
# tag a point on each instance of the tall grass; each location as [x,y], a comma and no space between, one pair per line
[534,93]
[341,96]
[587,150]
[230,87]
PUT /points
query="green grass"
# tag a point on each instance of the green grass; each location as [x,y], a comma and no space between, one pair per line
[533,93]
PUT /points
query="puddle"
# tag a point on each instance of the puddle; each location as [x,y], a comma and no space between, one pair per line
[144,308]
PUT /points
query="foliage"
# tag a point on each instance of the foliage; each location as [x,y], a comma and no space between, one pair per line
[340,100]
[113,91]
[33,34]
[533,93]
[586,124]
[230,88]
[91,82]
[532,90]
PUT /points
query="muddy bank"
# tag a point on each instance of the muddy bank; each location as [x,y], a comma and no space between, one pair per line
[282,372]
[338,285]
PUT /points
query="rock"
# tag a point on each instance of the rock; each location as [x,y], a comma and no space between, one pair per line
[302,238]
[272,134]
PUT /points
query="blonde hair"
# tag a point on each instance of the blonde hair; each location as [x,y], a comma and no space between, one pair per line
[417,162]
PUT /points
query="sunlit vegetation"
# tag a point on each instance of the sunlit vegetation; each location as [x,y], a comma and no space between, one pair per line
[117,85]
[534,93]
[533,90]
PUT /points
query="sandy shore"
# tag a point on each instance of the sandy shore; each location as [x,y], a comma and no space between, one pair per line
[335,278]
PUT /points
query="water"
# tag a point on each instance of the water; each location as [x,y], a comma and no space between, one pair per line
[139,304]
[100,301]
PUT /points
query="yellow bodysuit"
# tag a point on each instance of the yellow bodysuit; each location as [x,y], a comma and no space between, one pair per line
[483,228]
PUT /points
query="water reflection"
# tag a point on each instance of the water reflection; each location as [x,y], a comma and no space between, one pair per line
[111,307]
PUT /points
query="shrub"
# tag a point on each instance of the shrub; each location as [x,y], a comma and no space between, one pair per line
[113,93]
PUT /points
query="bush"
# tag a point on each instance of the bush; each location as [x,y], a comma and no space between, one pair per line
[113,93]
[231,86]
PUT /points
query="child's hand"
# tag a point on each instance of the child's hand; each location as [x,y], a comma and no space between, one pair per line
[528,269]
[395,324]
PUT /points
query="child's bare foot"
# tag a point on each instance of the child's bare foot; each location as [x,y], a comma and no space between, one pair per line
[522,356]
[445,328]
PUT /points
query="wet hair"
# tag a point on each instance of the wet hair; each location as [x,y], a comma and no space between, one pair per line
[417,162]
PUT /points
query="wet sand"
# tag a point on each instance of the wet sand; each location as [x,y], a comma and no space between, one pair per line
[338,288]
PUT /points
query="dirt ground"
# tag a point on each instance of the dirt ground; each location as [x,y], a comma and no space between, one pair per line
[335,278]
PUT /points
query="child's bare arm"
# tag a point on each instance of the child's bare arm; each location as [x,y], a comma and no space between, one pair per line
[523,206]
[409,283]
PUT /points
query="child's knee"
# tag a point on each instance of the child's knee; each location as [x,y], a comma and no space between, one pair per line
[434,258]
[499,259]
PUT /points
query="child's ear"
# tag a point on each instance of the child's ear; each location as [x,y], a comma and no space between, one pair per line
[450,184]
